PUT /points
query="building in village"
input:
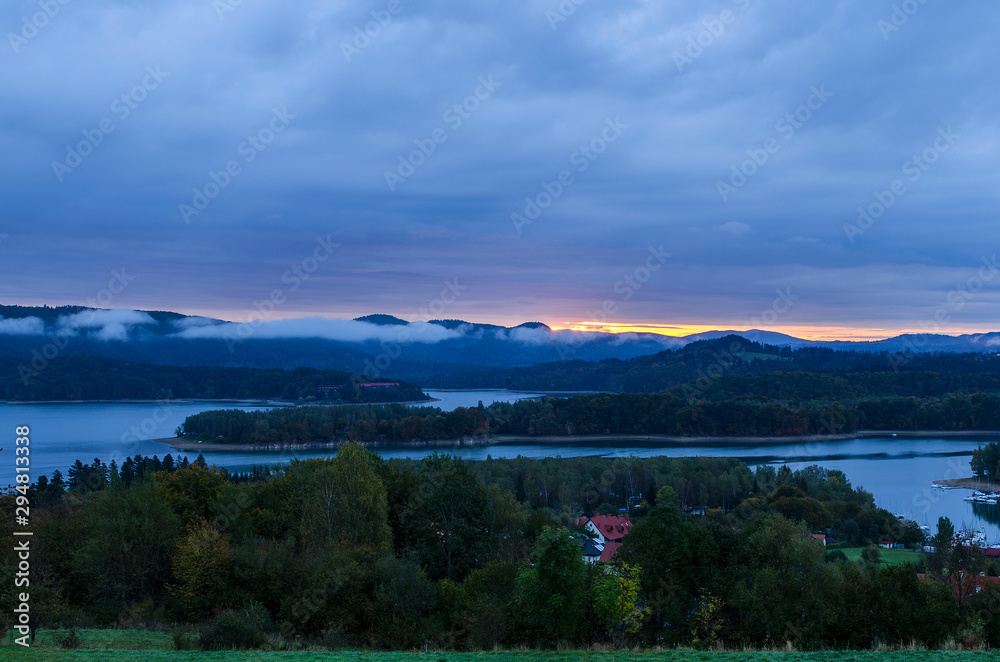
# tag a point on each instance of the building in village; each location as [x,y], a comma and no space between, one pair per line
[607,532]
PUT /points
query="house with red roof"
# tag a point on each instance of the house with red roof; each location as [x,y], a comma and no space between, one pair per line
[607,532]
[607,527]
[610,549]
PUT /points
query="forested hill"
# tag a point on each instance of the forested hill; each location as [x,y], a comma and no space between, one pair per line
[666,413]
[96,378]
[731,355]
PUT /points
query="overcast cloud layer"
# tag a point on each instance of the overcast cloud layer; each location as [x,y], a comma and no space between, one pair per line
[727,146]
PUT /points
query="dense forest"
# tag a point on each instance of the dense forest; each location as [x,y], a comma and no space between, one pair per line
[96,378]
[667,413]
[357,551]
[672,414]
[368,423]
[732,355]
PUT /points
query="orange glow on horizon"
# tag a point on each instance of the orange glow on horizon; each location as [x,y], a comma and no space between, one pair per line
[815,333]
[819,333]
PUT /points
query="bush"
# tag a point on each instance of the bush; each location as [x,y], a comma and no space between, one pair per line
[184,640]
[835,555]
[69,639]
[232,629]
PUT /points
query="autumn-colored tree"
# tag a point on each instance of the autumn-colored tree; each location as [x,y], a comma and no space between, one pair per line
[201,568]
[706,622]
[616,601]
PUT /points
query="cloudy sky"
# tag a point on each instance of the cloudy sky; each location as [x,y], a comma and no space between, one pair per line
[827,169]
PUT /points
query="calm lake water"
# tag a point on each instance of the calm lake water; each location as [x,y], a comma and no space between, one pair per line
[897,471]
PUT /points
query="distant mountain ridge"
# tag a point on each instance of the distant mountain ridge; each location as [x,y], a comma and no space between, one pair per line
[375,344]
[711,365]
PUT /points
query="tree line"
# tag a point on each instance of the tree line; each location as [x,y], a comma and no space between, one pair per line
[667,413]
[864,374]
[670,413]
[366,423]
[97,378]
[356,551]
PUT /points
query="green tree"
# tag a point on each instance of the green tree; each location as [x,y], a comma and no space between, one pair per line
[552,592]
[191,491]
[616,601]
[130,535]
[707,622]
[345,501]
[775,557]
[870,559]
[487,613]
[455,524]
[942,542]
[661,544]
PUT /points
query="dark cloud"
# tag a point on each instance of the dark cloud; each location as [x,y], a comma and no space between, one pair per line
[556,84]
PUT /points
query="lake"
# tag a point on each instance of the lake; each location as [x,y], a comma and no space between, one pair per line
[897,471]
[64,433]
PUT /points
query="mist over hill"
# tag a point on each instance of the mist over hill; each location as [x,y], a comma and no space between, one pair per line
[377,344]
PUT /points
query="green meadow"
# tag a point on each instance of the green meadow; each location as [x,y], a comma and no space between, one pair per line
[123,646]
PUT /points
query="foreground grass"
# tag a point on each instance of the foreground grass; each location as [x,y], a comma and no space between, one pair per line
[121,646]
[888,556]
[528,656]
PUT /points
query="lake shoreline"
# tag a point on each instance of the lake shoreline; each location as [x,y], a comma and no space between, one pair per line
[180,444]
[972,483]
[162,401]
[666,440]
[221,401]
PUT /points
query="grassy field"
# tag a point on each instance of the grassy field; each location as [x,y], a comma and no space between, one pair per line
[888,556]
[121,646]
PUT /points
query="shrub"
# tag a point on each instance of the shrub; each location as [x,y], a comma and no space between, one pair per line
[69,639]
[835,555]
[184,640]
[232,629]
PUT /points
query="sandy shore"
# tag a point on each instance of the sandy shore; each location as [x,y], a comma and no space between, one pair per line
[665,440]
